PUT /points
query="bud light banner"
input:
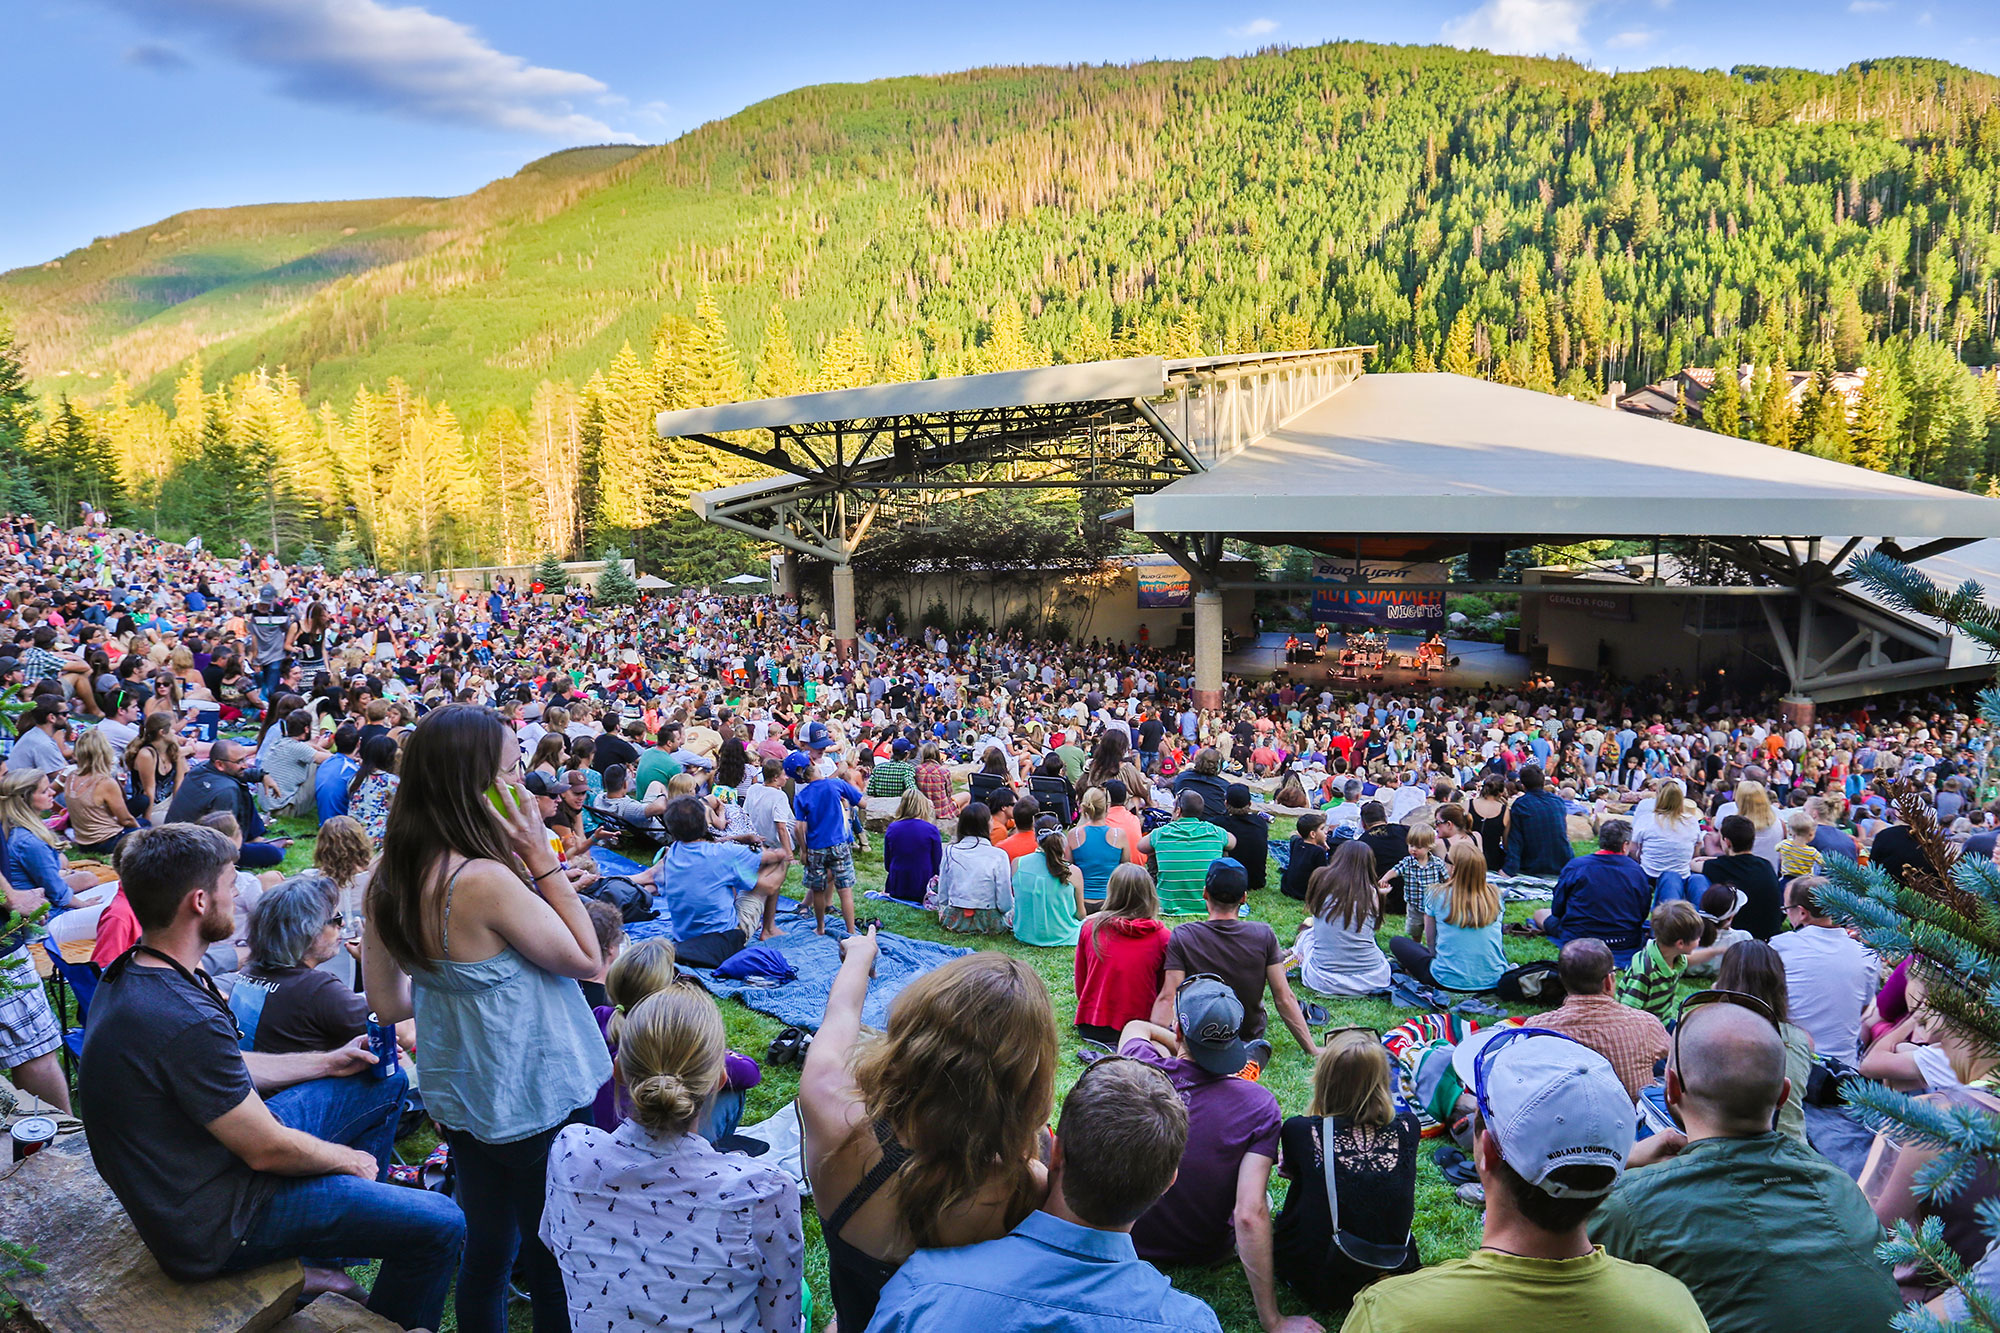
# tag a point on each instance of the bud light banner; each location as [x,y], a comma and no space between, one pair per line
[1400,612]
[1164,586]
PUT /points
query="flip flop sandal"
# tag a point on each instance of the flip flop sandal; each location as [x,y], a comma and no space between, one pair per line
[1520,929]
[1315,1015]
[1089,1052]
[784,1047]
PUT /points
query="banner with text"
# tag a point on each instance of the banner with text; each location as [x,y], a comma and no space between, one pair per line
[1164,586]
[1403,612]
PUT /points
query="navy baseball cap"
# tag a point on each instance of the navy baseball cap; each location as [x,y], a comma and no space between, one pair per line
[817,736]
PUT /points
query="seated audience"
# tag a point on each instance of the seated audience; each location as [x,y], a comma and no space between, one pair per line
[283,1001]
[1070,1266]
[1097,846]
[1336,947]
[1183,849]
[95,797]
[1763,913]
[1220,1202]
[1754,968]
[1602,895]
[1632,1039]
[1652,982]
[929,1135]
[1829,975]
[912,849]
[1251,830]
[729,1251]
[1352,1115]
[215,1178]
[1245,954]
[1537,829]
[1455,940]
[1393,847]
[1048,895]
[1687,1204]
[1549,1143]
[1309,852]
[975,879]
[717,893]
[1121,951]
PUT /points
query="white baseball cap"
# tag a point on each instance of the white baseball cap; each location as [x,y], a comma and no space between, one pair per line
[1550,1102]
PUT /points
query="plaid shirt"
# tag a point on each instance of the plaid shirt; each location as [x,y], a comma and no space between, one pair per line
[934,781]
[39,664]
[1649,983]
[1631,1039]
[892,777]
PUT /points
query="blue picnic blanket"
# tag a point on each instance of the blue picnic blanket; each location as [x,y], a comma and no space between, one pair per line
[802,1002]
[611,863]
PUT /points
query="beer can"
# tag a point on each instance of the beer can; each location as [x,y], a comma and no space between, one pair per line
[382,1041]
[32,1135]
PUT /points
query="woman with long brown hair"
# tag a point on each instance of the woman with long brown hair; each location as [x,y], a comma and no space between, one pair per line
[475,928]
[1121,953]
[1336,949]
[930,1135]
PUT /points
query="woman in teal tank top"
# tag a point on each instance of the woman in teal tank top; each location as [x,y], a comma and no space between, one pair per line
[474,928]
[1048,895]
[1095,846]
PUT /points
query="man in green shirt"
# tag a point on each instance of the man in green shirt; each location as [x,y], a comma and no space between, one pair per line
[1750,1219]
[1073,758]
[1550,1140]
[1184,848]
[658,764]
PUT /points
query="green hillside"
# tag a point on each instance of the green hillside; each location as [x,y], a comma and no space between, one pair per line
[1530,220]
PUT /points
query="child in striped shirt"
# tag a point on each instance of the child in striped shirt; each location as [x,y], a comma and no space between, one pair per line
[1796,854]
[1650,983]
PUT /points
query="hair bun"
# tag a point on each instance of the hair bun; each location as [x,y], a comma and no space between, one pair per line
[664,1101]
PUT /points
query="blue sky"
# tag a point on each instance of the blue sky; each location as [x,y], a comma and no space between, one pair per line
[127,111]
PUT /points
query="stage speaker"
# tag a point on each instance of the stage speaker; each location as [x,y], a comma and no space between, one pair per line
[1483,561]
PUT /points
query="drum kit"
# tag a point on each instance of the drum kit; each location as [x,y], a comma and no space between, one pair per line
[1365,655]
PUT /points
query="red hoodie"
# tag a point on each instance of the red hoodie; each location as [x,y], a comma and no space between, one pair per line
[1120,985]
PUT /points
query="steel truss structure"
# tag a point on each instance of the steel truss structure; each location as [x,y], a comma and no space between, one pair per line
[1133,428]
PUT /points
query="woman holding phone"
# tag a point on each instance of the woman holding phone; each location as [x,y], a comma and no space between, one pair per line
[475,929]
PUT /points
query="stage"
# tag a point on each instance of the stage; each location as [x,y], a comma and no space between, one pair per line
[1479,664]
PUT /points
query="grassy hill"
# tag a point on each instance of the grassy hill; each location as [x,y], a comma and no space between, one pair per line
[1526,219]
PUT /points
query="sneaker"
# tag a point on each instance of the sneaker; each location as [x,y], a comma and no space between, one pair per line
[1260,1055]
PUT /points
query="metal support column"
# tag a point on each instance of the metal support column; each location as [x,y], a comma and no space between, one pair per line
[1208,649]
[843,610]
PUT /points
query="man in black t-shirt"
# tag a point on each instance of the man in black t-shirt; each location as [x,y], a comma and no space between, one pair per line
[215,1178]
[1764,914]
[1252,829]
[1150,732]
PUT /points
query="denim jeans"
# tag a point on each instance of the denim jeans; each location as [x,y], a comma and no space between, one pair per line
[1673,884]
[260,856]
[416,1234]
[724,1115]
[268,677]
[501,1187]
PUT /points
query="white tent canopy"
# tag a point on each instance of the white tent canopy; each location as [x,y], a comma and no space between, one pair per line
[1447,454]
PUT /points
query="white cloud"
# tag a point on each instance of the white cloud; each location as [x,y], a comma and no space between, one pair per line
[1523,27]
[1627,41]
[406,61]
[1255,28]
[1869,6]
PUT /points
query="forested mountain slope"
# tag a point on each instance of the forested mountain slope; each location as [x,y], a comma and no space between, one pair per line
[1527,219]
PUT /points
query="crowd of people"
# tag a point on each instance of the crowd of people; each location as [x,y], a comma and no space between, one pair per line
[250,1048]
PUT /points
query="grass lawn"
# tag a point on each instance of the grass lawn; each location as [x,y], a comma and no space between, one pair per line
[1446,1229]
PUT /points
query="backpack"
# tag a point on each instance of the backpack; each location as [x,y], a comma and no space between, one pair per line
[632,901]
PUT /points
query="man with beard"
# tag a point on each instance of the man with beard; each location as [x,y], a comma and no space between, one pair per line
[215,1178]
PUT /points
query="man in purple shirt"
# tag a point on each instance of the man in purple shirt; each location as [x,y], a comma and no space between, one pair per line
[1220,1200]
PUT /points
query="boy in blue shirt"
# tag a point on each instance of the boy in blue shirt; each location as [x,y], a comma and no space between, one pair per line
[821,806]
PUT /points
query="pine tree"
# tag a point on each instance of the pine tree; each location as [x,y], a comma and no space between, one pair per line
[1942,916]
[1680,405]
[1457,358]
[1878,419]
[614,586]
[779,374]
[17,424]
[347,553]
[1722,411]
[550,573]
